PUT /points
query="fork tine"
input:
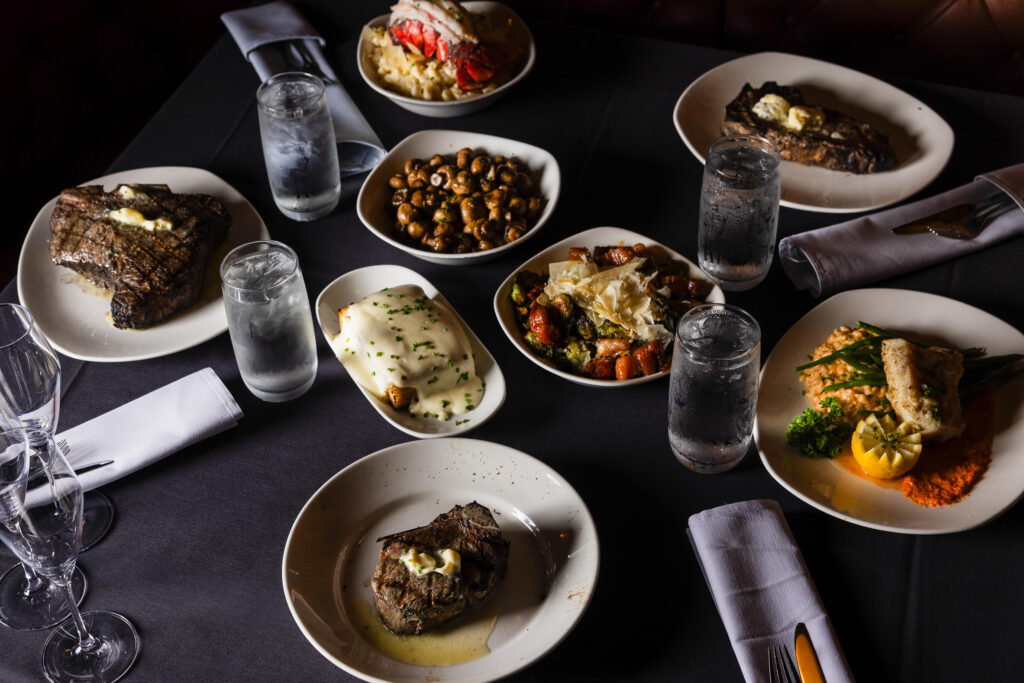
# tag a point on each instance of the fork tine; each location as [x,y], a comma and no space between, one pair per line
[781,668]
[64,448]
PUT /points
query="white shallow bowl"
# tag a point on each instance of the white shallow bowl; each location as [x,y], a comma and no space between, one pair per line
[374,202]
[923,142]
[553,558]
[844,495]
[595,237]
[502,15]
[358,284]
[74,319]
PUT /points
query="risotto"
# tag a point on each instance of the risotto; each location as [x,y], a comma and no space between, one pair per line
[854,400]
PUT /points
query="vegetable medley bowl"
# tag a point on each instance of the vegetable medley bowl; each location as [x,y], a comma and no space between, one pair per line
[510,322]
[824,483]
[447,176]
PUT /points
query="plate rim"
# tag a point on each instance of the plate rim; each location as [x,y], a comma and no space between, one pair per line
[495,378]
[41,223]
[959,522]
[376,178]
[623,235]
[585,520]
[944,130]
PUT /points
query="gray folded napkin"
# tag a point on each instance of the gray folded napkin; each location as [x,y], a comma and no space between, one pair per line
[865,250]
[149,428]
[263,33]
[761,586]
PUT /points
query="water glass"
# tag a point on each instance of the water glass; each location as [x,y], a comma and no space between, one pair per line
[713,387]
[269,320]
[299,146]
[739,210]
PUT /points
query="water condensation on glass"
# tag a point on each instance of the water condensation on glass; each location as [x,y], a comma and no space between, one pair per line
[269,321]
[739,211]
[299,147]
[713,387]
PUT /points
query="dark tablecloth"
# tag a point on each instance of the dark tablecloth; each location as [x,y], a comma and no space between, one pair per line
[194,558]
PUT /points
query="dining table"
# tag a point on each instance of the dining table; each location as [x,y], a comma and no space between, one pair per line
[194,557]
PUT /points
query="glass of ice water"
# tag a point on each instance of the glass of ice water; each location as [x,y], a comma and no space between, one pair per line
[713,387]
[739,210]
[298,145]
[269,320]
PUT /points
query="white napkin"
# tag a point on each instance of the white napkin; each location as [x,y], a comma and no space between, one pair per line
[150,427]
[260,32]
[865,250]
[761,586]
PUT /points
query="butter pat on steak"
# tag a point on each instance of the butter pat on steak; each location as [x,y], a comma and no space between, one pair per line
[413,591]
[149,245]
[809,135]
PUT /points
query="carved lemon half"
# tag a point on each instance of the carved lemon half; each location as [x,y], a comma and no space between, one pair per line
[883,449]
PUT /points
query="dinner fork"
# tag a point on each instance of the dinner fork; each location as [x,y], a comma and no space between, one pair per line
[781,668]
[981,215]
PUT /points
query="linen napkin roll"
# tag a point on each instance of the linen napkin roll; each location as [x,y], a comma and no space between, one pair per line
[761,586]
[261,31]
[865,250]
[150,427]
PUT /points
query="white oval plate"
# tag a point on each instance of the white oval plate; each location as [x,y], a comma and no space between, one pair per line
[553,558]
[595,237]
[519,33]
[833,490]
[374,202]
[923,142]
[358,284]
[76,323]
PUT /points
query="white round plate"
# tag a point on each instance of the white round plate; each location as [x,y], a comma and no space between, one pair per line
[502,15]
[553,558]
[828,487]
[76,322]
[374,202]
[358,284]
[595,237]
[923,142]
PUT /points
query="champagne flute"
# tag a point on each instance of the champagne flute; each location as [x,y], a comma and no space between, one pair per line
[47,534]
[29,396]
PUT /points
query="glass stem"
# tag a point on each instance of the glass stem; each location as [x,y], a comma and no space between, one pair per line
[86,642]
[33,582]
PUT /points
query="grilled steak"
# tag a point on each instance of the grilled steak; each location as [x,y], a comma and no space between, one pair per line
[839,143]
[413,601]
[153,267]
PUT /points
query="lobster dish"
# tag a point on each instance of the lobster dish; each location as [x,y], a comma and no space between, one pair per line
[437,50]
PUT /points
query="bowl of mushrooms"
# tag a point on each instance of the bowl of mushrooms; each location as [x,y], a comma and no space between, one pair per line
[456,198]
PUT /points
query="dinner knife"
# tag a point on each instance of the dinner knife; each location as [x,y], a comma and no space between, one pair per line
[806,657]
[82,469]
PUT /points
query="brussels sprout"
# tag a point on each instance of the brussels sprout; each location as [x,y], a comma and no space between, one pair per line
[607,329]
[542,350]
[577,353]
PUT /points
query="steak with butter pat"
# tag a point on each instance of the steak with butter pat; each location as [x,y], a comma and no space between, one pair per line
[419,583]
[149,245]
[923,387]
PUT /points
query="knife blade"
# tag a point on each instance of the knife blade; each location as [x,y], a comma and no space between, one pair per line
[82,469]
[951,215]
[806,657]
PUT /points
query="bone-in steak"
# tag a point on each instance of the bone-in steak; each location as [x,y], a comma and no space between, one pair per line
[152,272]
[413,603]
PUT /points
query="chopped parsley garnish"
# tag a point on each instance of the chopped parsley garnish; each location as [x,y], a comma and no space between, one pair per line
[819,434]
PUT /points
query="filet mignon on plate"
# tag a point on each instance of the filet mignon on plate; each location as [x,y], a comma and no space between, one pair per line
[414,603]
[153,272]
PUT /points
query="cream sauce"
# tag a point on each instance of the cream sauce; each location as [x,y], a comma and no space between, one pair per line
[401,336]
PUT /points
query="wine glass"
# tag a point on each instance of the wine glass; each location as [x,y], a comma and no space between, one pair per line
[44,528]
[29,396]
